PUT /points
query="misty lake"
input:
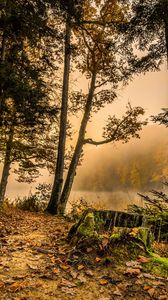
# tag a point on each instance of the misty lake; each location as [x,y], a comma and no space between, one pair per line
[106,200]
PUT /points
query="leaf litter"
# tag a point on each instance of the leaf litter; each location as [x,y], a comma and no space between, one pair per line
[35,264]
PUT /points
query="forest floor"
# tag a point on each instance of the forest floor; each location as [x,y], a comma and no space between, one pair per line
[35,264]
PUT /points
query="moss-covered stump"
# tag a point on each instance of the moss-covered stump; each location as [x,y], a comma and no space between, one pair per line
[108,219]
[85,229]
[100,221]
[140,235]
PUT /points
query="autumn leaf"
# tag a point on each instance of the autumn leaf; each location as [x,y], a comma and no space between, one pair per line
[147,287]
[133,264]
[56,271]
[151,292]
[97,259]
[16,286]
[89,273]
[132,272]
[143,259]
[117,292]
[64,267]
[80,267]
[67,283]
[2,284]
[103,281]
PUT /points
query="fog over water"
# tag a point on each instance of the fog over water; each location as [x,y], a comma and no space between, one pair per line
[94,181]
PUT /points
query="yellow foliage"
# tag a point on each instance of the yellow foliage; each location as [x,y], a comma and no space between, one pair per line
[134,231]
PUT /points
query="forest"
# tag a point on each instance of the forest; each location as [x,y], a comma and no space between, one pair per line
[62,64]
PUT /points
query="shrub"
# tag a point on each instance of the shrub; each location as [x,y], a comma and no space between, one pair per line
[156,213]
[37,201]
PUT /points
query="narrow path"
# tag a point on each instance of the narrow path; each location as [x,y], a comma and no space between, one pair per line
[34,265]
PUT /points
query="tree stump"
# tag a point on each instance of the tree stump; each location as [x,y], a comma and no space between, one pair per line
[97,221]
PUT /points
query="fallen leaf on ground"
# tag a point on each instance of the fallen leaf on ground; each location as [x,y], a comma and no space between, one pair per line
[139,281]
[104,298]
[149,276]
[32,267]
[162,297]
[88,250]
[82,278]
[2,284]
[64,267]
[56,271]
[133,264]
[143,259]
[103,281]
[68,291]
[74,274]
[151,292]
[97,259]
[117,292]
[89,273]
[132,271]
[19,276]
[67,283]
[16,286]
[147,287]
[104,241]
[80,267]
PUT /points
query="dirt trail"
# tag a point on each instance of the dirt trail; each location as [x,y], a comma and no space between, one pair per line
[34,265]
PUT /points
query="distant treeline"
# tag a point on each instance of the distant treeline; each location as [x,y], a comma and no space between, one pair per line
[140,171]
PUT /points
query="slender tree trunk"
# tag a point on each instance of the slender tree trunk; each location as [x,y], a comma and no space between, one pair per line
[6,166]
[58,180]
[166,27]
[3,46]
[78,149]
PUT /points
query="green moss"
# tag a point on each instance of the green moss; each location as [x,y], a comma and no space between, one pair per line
[87,228]
[115,237]
[157,265]
[158,259]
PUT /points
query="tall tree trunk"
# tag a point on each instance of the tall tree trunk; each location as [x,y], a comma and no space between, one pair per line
[78,149]
[165,18]
[3,49]
[58,180]
[6,166]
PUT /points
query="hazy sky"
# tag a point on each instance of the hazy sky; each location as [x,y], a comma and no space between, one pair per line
[149,91]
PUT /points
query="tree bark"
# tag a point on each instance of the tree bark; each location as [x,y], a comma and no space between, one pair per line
[58,180]
[78,149]
[3,49]
[165,18]
[6,166]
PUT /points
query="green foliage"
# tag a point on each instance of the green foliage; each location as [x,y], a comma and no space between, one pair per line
[28,111]
[37,201]
[155,212]
[157,265]
[77,209]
